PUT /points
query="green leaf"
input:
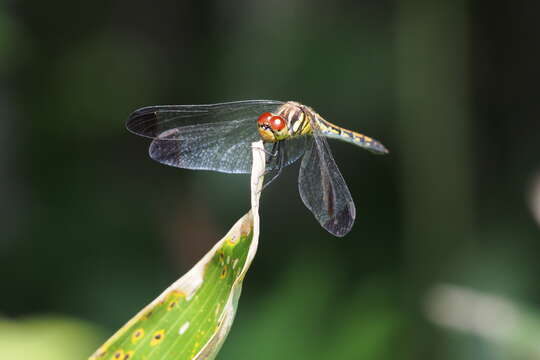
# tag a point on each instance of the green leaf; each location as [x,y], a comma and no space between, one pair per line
[191,318]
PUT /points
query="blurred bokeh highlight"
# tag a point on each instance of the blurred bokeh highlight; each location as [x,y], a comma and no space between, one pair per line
[447,232]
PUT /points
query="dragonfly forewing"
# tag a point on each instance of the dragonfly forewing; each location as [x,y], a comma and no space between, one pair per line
[153,121]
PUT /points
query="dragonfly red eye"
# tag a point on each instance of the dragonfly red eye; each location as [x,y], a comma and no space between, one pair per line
[277,123]
[264,118]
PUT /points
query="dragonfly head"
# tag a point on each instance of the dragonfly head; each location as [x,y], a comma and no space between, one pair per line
[272,127]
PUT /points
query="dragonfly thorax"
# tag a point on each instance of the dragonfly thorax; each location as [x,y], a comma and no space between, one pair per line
[291,120]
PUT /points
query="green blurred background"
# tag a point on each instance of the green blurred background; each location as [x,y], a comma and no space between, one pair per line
[93,230]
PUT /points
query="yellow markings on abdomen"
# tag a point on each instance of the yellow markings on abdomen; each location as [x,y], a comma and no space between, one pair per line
[334,130]
[362,138]
[346,133]
[325,126]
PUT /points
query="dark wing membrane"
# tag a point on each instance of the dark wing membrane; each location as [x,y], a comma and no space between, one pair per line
[153,121]
[323,189]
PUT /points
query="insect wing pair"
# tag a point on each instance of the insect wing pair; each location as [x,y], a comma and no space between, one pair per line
[218,137]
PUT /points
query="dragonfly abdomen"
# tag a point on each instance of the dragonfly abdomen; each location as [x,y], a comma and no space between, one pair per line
[333,131]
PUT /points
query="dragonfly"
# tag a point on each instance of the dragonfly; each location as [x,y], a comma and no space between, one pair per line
[218,137]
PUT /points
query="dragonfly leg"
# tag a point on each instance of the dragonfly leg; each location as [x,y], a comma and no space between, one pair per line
[281,160]
[273,152]
[271,156]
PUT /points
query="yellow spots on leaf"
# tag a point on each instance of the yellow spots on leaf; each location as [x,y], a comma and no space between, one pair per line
[234,240]
[147,315]
[100,353]
[175,295]
[195,349]
[174,298]
[171,305]
[157,337]
[223,272]
[137,335]
[128,355]
[118,355]
[221,258]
